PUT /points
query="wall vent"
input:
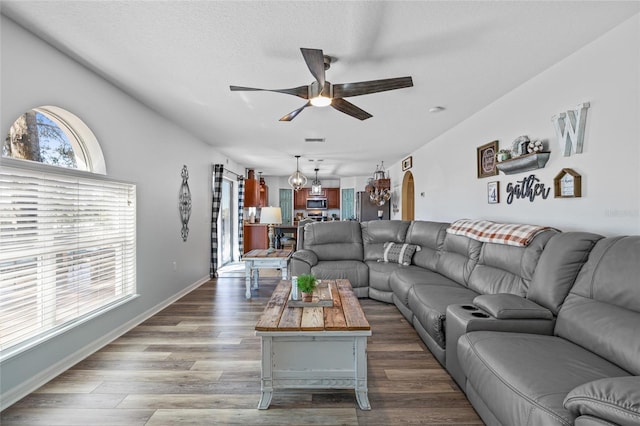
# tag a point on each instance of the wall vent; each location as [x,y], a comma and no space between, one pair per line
[314,140]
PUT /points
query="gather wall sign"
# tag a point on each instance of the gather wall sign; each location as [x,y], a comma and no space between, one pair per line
[528,188]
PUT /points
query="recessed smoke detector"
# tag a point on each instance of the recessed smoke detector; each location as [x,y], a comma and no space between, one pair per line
[436,109]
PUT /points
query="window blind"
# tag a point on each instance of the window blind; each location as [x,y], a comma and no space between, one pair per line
[67,249]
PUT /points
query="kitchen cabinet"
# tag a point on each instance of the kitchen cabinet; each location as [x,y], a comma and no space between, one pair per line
[251,190]
[255,237]
[331,194]
[321,194]
[333,198]
[300,199]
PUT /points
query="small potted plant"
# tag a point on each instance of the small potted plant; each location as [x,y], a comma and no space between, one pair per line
[503,154]
[306,285]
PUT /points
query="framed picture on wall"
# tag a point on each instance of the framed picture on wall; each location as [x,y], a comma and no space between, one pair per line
[407,163]
[493,192]
[487,159]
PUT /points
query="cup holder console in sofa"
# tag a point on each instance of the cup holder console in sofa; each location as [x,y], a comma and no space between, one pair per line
[500,312]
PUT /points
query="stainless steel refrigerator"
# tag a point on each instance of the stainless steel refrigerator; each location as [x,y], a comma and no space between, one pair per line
[366,210]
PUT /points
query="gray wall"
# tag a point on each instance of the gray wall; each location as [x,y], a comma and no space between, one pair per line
[139,146]
[605,73]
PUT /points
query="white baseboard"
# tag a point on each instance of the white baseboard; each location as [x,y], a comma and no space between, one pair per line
[13,395]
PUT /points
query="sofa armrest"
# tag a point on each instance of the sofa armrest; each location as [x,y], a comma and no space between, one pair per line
[307,256]
[510,306]
[615,399]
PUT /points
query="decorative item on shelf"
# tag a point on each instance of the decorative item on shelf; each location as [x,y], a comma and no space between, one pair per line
[379,186]
[184,203]
[316,186]
[306,285]
[519,146]
[271,216]
[493,192]
[407,163]
[297,180]
[486,159]
[503,154]
[567,184]
[535,146]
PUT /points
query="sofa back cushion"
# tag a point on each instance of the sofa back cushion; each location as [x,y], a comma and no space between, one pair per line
[602,311]
[430,237]
[458,257]
[377,232]
[558,267]
[503,268]
[334,240]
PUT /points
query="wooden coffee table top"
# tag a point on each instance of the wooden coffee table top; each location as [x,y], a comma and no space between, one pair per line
[264,254]
[345,315]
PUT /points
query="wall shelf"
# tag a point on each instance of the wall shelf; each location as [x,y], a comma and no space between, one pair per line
[524,163]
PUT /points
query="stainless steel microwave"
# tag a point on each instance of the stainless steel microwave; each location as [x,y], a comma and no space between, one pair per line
[316,203]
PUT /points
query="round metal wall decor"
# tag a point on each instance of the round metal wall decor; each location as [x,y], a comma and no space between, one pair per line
[184,203]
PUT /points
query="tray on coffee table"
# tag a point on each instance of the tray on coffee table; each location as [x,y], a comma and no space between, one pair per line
[322,297]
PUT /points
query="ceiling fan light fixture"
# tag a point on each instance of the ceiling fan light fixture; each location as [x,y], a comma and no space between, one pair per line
[320,101]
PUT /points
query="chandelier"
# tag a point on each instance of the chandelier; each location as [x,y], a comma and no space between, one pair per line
[379,186]
[297,180]
[316,186]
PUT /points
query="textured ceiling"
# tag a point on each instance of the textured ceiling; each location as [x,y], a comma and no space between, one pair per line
[179,57]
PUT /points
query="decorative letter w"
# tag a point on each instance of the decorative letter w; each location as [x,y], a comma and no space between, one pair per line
[570,129]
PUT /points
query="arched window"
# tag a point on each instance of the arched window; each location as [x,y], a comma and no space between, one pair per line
[67,231]
[52,135]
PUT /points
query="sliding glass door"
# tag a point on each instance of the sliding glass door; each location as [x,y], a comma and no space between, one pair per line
[227,219]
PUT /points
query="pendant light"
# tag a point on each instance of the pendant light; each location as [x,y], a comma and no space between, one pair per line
[316,186]
[379,186]
[297,180]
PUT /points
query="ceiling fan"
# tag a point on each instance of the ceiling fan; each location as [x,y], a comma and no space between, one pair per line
[323,93]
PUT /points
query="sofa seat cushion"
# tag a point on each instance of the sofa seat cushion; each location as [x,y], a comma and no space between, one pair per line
[616,399]
[355,271]
[429,306]
[380,273]
[402,279]
[524,378]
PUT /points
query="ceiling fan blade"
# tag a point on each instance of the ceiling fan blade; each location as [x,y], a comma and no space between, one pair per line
[366,87]
[315,61]
[293,114]
[350,109]
[301,91]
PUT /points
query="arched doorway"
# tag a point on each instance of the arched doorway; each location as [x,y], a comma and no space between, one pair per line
[408,197]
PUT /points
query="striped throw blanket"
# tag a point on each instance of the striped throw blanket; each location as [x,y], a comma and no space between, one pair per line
[500,233]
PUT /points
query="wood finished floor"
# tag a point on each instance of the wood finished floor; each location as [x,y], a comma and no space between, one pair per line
[198,363]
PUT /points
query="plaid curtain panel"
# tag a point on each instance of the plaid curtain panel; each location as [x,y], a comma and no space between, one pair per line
[241,215]
[218,169]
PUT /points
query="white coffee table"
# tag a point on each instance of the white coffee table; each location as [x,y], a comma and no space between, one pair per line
[314,347]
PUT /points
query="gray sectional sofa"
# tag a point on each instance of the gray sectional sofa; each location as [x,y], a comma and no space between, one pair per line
[544,333]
